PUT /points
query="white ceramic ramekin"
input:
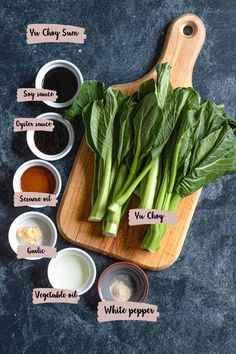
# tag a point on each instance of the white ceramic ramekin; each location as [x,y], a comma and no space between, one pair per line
[40,154]
[33,218]
[54,277]
[56,64]
[19,172]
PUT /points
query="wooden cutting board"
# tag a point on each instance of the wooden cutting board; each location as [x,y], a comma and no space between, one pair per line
[181,51]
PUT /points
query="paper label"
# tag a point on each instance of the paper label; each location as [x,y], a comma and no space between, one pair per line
[24,124]
[51,295]
[44,33]
[32,251]
[32,198]
[151,216]
[129,311]
[35,94]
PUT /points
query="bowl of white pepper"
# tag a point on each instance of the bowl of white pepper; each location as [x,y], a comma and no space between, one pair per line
[123,281]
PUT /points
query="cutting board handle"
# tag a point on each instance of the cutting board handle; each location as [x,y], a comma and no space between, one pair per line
[184,40]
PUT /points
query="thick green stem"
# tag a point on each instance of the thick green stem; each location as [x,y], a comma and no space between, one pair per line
[124,207]
[175,200]
[151,238]
[99,207]
[95,180]
[99,173]
[137,192]
[142,187]
[163,188]
[159,178]
[154,234]
[121,199]
[111,225]
[112,220]
[167,200]
[120,180]
[113,175]
[174,169]
[148,193]
[133,170]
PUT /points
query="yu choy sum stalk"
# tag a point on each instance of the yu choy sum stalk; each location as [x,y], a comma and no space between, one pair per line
[161,144]
[201,149]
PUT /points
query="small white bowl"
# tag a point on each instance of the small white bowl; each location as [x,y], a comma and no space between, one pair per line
[72,269]
[19,172]
[56,64]
[41,155]
[33,218]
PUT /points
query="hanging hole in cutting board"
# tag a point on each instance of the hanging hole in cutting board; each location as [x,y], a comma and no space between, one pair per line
[188,30]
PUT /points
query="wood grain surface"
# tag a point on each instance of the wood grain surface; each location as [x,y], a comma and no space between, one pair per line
[181,51]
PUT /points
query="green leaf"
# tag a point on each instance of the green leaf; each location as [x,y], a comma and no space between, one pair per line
[145,88]
[120,98]
[220,160]
[90,91]
[145,123]
[86,114]
[125,135]
[210,117]
[101,123]
[230,121]
[184,138]
[164,88]
[203,148]
[170,114]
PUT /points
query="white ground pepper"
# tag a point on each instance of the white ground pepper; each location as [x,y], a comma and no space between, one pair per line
[120,291]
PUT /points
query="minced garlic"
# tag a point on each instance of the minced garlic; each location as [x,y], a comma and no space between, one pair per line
[31,234]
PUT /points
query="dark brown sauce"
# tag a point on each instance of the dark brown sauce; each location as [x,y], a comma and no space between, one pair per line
[52,143]
[63,81]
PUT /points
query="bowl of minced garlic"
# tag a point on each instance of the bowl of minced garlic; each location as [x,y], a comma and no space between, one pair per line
[30,234]
[33,229]
[123,281]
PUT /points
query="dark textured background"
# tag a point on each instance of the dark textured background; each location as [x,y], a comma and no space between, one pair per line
[196,296]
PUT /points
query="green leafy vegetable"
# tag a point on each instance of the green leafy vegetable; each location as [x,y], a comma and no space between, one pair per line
[204,149]
[160,144]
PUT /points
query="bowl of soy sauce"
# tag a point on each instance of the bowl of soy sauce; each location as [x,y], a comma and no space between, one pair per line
[63,77]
